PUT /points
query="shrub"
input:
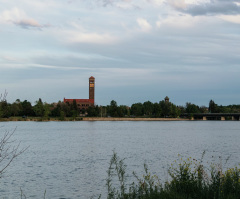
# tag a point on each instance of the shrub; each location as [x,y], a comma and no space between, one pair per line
[189,180]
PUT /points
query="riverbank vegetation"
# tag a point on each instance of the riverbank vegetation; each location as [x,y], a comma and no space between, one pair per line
[190,179]
[24,110]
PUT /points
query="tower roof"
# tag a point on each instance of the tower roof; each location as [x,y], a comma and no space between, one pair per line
[91,77]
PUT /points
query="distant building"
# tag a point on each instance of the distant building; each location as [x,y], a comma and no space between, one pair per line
[166,99]
[85,103]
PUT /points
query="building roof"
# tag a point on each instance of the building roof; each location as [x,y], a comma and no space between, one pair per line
[91,77]
[80,100]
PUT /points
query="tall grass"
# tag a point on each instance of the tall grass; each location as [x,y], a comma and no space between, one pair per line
[189,180]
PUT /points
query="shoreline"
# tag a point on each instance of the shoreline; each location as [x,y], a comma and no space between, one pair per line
[38,119]
[131,119]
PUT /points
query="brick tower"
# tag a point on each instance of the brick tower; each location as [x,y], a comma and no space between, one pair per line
[92,88]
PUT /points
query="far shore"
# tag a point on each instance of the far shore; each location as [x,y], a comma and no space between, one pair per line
[131,119]
[38,119]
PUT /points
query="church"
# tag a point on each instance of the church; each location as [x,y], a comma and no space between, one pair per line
[85,103]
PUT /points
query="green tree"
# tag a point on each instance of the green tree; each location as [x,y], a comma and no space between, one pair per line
[93,111]
[74,105]
[62,116]
[192,108]
[113,109]
[15,109]
[27,108]
[175,111]
[148,108]
[39,108]
[122,111]
[166,108]
[46,110]
[213,108]
[5,109]
[169,109]
[157,110]
[203,109]
[56,109]
[66,108]
[137,109]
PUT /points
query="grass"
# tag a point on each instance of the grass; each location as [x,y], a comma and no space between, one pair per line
[189,180]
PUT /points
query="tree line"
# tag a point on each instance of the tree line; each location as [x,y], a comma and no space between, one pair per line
[163,109]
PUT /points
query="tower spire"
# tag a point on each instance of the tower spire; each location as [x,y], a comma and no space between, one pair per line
[92,88]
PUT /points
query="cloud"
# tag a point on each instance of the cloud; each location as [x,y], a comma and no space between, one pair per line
[179,4]
[144,25]
[94,38]
[12,15]
[106,3]
[177,21]
[231,18]
[30,23]
[213,7]
[156,2]
[19,18]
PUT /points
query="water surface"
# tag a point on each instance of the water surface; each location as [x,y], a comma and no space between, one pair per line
[70,159]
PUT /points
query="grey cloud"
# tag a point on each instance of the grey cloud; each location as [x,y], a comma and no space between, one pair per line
[214,7]
[30,23]
[113,3]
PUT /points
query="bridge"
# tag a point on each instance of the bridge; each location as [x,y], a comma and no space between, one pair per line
[212,116]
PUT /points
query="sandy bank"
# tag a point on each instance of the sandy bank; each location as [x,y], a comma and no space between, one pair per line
[130,119]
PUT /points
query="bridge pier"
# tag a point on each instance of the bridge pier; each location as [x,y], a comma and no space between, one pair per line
[235,118]
[212,116]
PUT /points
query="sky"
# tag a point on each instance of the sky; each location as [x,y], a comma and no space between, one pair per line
[137,50]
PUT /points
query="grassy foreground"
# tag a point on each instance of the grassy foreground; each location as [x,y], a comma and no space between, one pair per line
[189,180]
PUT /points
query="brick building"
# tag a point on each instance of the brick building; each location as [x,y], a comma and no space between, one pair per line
[85,103]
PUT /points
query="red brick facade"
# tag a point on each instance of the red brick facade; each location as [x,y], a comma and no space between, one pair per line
[85,103]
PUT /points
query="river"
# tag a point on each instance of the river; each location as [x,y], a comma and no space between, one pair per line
[70,159]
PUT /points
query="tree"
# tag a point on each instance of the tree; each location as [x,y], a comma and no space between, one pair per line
[8,151]
[175,111]
[46,110]
[203,109]
[157,110]
[122,111]
[56,109]
[212,107]
[169,109]
[147,108]
[39,108]
[192,108]
[65,107]
[15,109]
[113,112]
[93,111]
[5,109]
[27,108]
[137,109]
[166,108]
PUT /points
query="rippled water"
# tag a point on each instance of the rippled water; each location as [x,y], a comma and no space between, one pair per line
[70,159]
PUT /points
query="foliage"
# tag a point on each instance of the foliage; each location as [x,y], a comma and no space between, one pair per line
[148,108]
[38,108]
[162,109]
[192,108]
[93,111]
[189,180]
[137,109]
[213,108]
